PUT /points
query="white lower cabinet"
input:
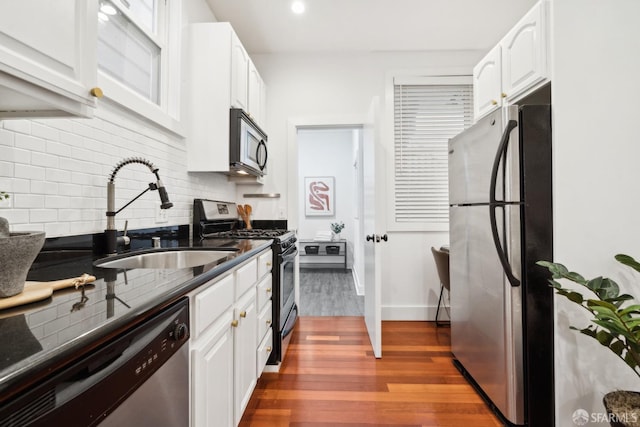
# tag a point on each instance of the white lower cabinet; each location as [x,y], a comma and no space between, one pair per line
[212,379]
[245,351]
[230,344]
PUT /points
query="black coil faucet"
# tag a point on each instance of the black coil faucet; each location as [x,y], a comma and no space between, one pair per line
[111,233]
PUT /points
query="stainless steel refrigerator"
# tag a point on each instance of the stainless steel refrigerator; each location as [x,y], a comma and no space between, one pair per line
[500,225]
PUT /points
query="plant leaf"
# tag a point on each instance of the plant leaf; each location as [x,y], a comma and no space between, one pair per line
[630,310]
[606,304]
[617,347]
[630,360]
[628,261]
[571,295]
[608,289]
[604,337]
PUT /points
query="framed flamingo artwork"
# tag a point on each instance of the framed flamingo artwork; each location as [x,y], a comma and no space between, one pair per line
[319,196]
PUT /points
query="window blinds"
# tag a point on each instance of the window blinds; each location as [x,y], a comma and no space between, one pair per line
[426,116]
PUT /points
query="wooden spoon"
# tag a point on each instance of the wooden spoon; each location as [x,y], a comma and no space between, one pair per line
[247,219]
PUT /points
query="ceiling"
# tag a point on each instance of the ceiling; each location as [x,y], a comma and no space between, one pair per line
[348,26]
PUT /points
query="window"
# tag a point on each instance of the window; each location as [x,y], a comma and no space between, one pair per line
[427,112]
[138,51]
[128,49]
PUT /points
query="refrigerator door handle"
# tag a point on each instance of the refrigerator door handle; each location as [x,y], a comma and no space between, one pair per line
[502,149]
[502,256]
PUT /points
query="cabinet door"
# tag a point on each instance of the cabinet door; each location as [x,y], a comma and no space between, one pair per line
[486,84]
[265,262]
[239,74]
[524,53]
[255,94]
[48,50]
[245,337]
[212,375]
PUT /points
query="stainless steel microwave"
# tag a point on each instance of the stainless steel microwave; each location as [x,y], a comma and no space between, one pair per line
[248,145]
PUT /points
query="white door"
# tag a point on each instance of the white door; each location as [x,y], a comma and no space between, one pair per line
[372,226]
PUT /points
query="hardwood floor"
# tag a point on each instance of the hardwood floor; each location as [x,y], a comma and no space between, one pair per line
[330,378]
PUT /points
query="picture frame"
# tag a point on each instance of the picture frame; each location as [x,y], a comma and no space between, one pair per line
[319,196]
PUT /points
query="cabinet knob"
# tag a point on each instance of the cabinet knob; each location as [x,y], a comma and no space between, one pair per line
[494,102]
[268,322]
[269,349]
[268,290]
[97,92]
[268,263]
[243,314]
[234,323]
[504,95]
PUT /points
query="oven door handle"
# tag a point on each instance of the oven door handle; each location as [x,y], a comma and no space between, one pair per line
[288,256]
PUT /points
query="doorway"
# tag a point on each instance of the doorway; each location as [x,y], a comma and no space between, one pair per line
[330,187]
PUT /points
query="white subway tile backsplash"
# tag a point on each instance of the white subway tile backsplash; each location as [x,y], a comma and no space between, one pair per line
[7,138]
[16,217]
[21,185]
[29,172]
[16,155]
[71,214]
[21,200]
[6,169]
[18,126]
[28,142]
[59,229]
[57,170]
[58,149]
[43,187]
[71,190]
[58,175]
[42,159]
[41,130]
[71,139]
[43,215]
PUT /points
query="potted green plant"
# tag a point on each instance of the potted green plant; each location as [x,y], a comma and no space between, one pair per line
[336,229]
[615,324]
[17,253]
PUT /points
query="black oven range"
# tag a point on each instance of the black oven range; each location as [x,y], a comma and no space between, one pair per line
[218,220]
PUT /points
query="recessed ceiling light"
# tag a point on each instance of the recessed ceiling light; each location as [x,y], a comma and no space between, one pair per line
[108,9]
[102,17]
[297,7]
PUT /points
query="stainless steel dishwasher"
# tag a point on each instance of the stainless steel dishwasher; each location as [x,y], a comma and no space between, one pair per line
[140,378]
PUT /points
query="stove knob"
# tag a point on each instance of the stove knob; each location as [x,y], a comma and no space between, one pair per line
[180,332]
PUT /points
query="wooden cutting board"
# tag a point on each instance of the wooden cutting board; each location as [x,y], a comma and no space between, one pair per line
[36,291]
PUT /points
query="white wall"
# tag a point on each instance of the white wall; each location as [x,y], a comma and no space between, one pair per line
[57,169]
[338,88]
[595,95]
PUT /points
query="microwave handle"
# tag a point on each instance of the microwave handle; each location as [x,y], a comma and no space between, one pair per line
[262,164]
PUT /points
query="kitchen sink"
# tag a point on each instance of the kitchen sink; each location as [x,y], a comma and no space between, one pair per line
[165,259]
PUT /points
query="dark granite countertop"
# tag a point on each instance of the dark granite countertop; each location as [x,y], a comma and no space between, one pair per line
[38,338]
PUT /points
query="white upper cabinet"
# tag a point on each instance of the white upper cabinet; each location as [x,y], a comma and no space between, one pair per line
[524,53]
[239,74]
[487,84]
[517,65]
[48,58]
[256,95]
[220,72]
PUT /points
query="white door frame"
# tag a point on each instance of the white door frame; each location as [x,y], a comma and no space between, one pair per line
[328,121]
